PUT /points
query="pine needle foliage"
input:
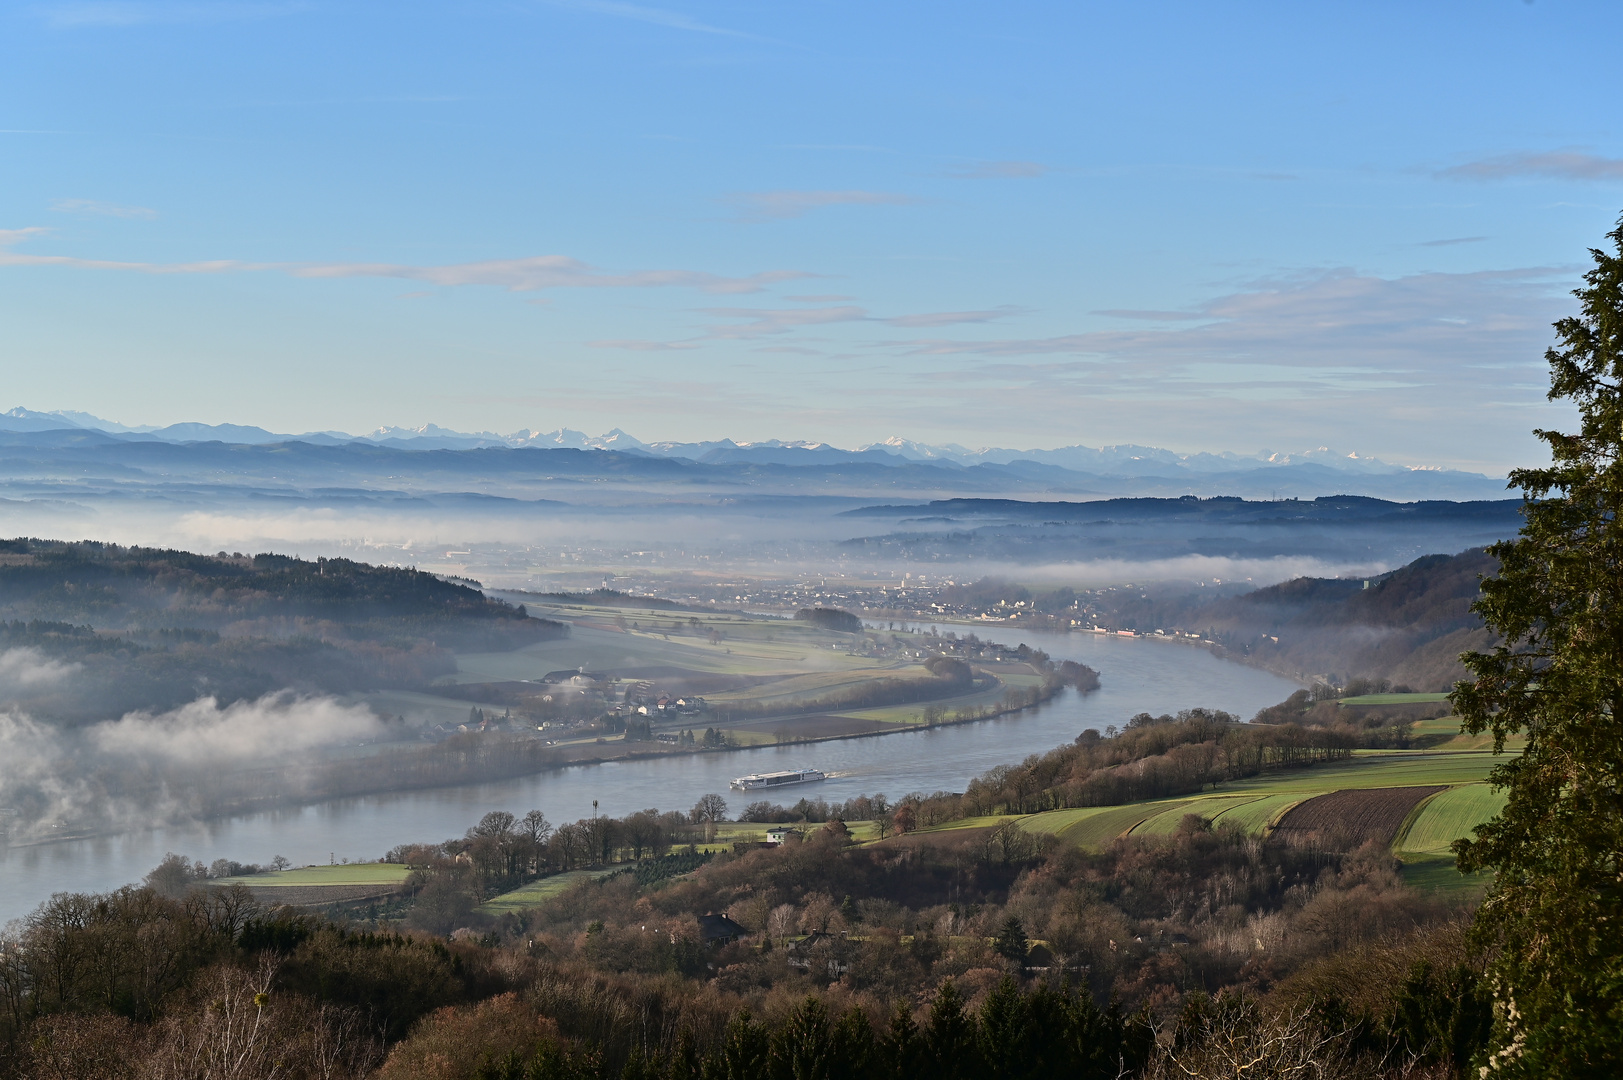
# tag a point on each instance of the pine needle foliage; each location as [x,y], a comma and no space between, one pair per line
[1555,913]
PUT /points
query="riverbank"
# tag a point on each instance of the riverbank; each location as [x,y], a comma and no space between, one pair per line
[476,758]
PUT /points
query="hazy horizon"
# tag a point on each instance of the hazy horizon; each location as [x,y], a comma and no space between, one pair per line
[617,438]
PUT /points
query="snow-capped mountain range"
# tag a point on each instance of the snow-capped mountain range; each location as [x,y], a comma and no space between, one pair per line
[1105,460]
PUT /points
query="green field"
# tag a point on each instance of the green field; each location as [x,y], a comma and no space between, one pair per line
[794,689]
[914,714]
[1440,725]
[1096,826]
[1257,815]
[749,738]
[1394,699]
[1437,873]
[1377,768]
[1166,822]
[749,646]
[351,874]
[536,893]
[1449,816]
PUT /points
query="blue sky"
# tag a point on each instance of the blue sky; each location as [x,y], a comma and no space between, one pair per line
[1208,226]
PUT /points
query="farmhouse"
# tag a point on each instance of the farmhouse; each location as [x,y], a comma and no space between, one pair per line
[579,678]
[719,929]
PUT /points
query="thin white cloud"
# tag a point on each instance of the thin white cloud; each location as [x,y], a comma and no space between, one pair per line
[953,318]
[1557,164]
[97,208]
[639,13]
[1453,241]
[518,275]
[762,322]
[547,272]
[13,258]
[9,237]
[780,205]
[999,170]
[121,13]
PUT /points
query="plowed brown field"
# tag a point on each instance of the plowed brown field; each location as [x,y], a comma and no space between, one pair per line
[1358,816]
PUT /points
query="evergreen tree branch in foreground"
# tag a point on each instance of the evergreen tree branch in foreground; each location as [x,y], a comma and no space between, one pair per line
[1556,676]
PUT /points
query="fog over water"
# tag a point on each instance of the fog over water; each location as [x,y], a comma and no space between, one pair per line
[1137,676]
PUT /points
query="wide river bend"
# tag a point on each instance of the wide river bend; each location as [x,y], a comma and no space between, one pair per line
[1136,675]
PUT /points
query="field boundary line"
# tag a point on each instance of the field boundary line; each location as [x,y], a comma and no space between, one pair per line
[1414,815]
[1273,821]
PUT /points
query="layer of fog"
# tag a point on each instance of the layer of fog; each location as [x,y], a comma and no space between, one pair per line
[29,669]
[754,535]
[153,767]
[1098,573]
[334,531]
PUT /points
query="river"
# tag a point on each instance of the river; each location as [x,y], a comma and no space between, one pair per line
[1136,676]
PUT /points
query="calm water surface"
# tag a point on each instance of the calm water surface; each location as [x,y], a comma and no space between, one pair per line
[1137,676]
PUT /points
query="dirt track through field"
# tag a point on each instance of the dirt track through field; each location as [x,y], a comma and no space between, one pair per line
[1355,816]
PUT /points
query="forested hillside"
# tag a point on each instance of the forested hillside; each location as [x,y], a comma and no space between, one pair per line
[89,630]
[1408,626]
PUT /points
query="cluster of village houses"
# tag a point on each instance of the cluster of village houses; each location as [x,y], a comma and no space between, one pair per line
[640,699]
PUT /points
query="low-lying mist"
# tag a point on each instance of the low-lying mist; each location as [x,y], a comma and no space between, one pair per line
[1096,573]
[150,768]
[523,544]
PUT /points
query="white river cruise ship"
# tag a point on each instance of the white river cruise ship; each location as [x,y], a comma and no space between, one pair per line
[756,781]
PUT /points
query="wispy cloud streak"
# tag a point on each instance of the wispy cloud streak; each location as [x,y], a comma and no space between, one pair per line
[765,322]
[1557,164]
[518,275]
[998,170]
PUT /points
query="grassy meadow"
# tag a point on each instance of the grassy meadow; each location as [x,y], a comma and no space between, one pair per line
[307,876]
[537,893]
[769,670]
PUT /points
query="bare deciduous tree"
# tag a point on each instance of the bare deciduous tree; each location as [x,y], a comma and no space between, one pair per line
[1234,1040]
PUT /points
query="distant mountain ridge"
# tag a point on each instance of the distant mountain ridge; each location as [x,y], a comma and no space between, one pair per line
[1106,461]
